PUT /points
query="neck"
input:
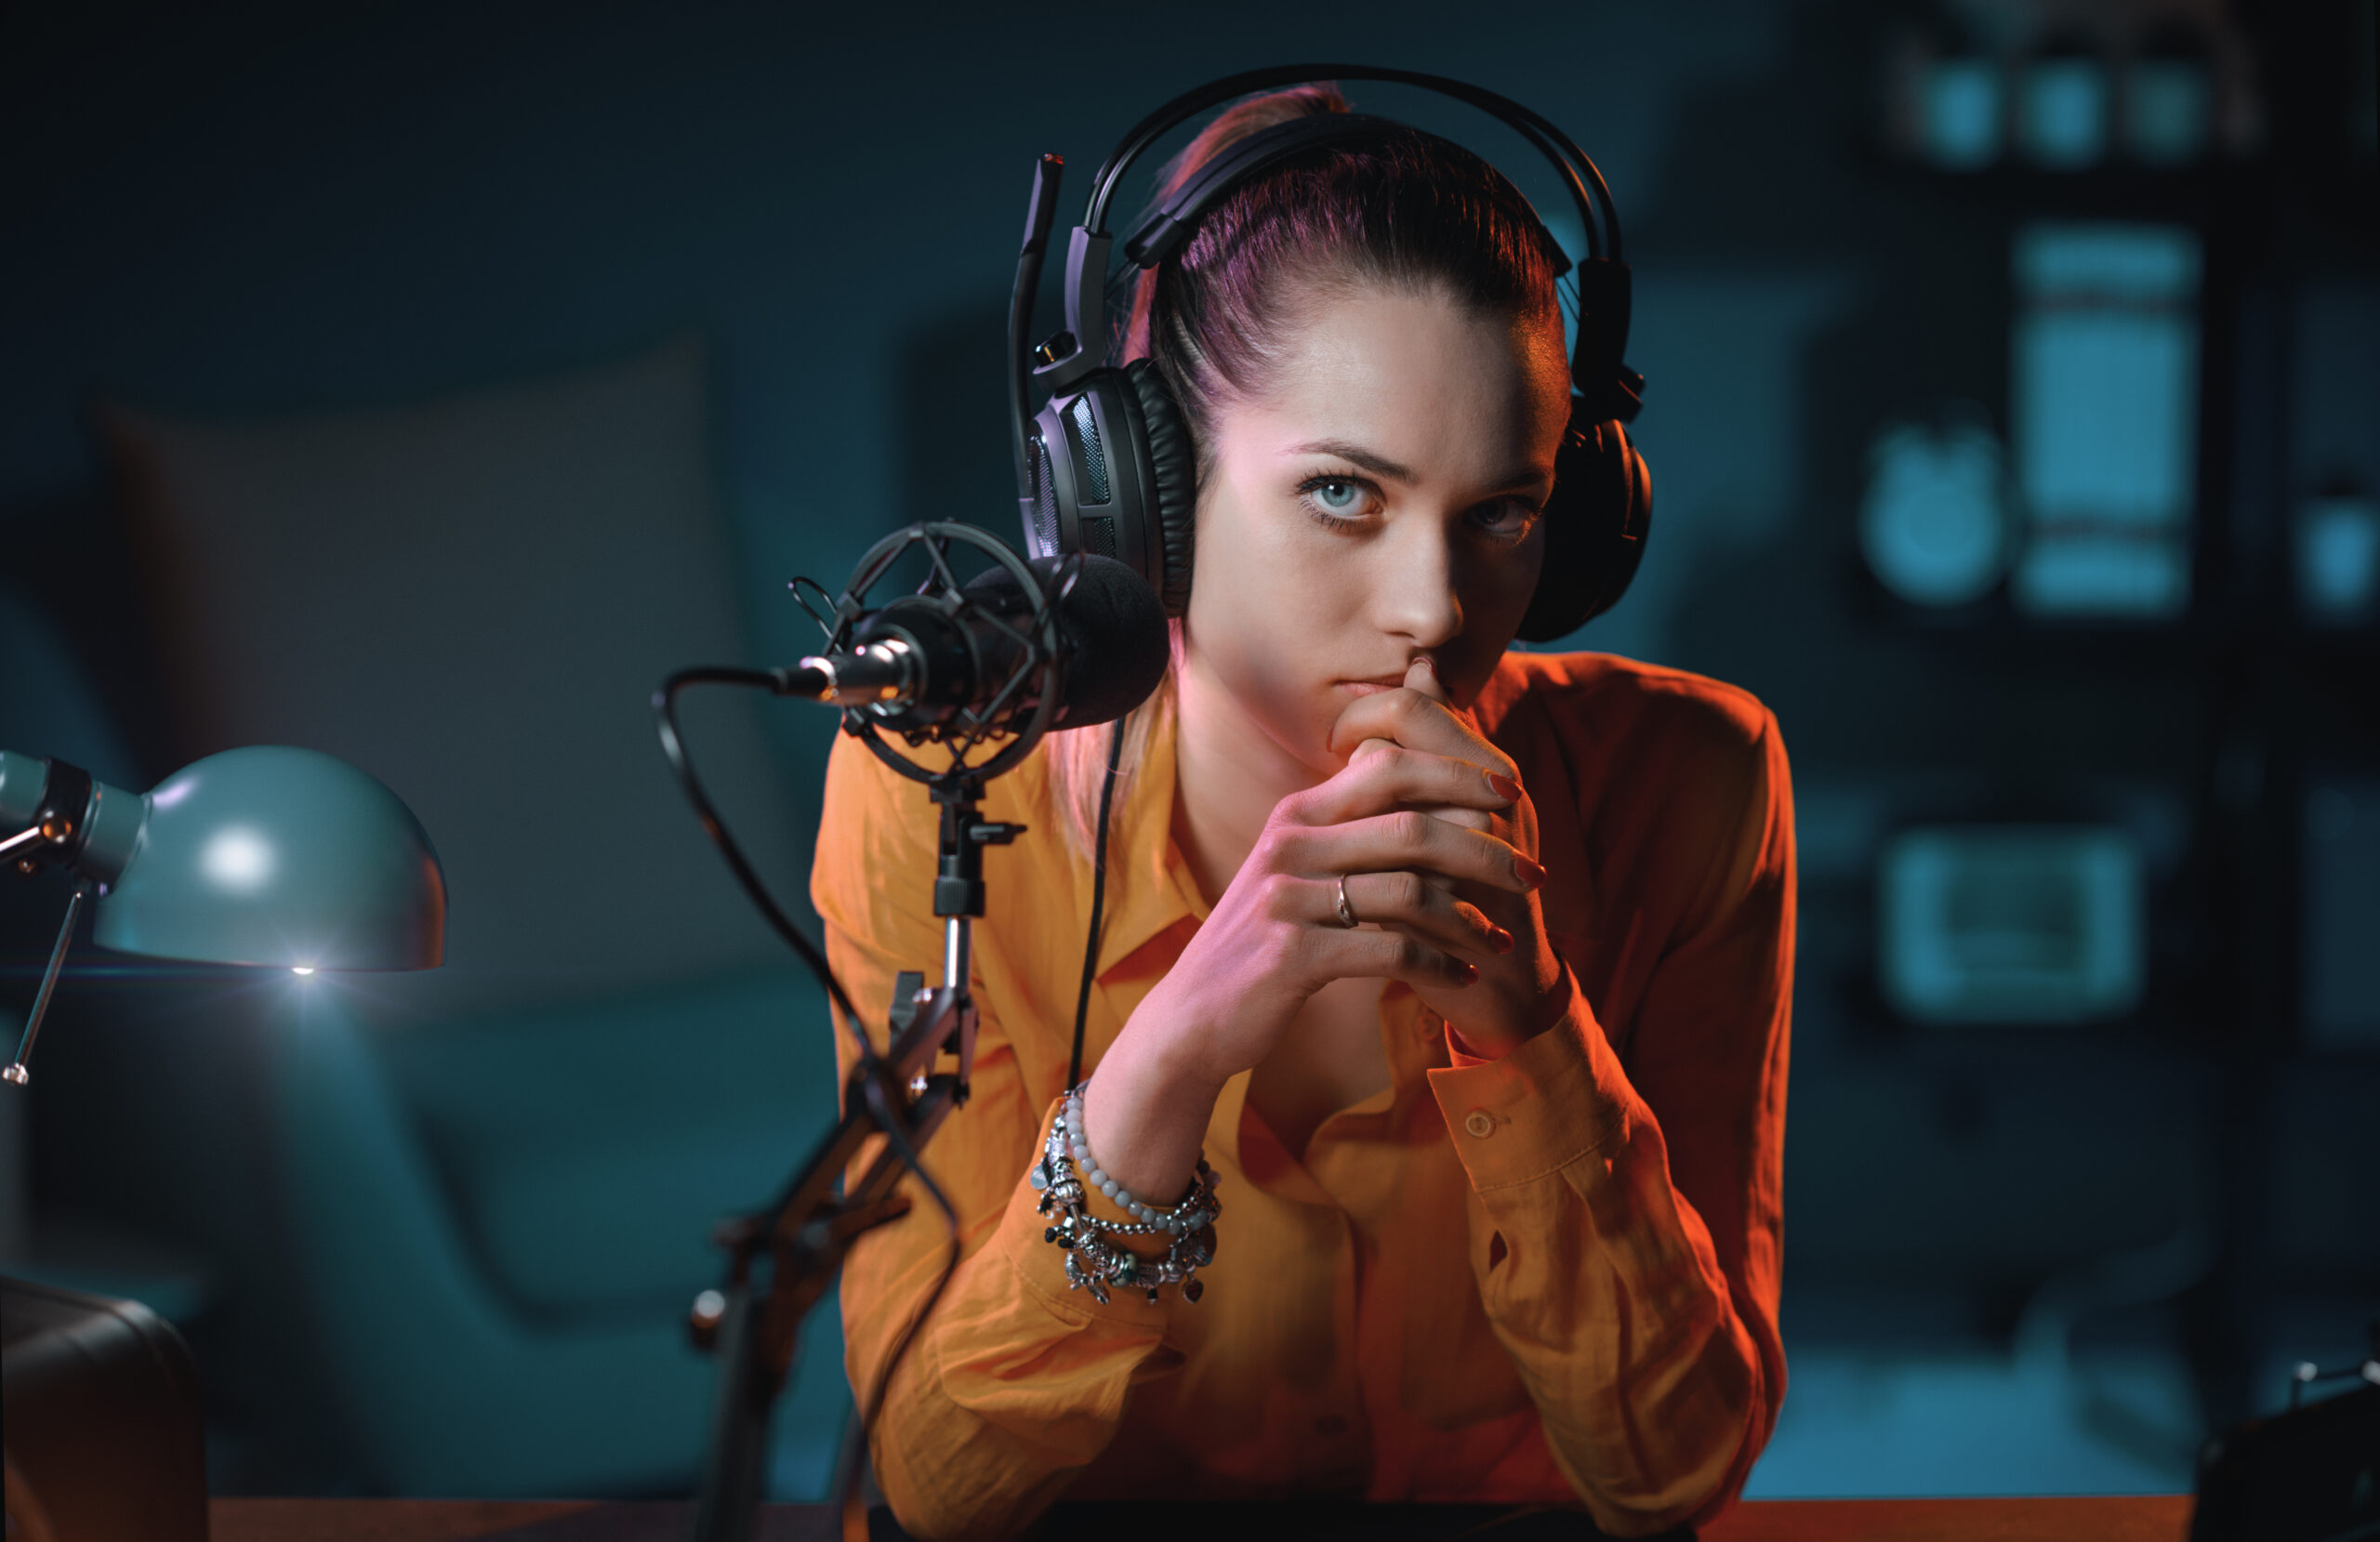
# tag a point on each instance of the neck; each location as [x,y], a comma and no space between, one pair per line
[1228,774]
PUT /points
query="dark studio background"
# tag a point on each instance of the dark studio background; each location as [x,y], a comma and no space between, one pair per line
[432,283]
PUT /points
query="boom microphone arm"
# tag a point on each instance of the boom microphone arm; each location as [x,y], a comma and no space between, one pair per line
[783,1256]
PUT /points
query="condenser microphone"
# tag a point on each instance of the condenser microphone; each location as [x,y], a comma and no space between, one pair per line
[925,660]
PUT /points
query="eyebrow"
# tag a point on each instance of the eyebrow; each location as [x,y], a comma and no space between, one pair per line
[1370,460]
[1379,465]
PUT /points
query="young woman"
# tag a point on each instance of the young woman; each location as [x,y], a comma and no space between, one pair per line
[1499,1164]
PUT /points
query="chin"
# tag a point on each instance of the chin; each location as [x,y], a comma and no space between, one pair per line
[1308,738]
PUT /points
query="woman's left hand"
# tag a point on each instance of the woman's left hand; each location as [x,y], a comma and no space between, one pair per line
[1525,992]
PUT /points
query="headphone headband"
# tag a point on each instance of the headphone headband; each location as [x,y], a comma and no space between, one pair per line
[1167,226]
[1578,172]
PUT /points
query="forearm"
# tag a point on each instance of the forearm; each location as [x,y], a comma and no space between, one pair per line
[1146,1110]
[1014,1385]
[1647,1380]
[1602,1281]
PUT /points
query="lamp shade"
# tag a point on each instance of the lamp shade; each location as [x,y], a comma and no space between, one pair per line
[278,856]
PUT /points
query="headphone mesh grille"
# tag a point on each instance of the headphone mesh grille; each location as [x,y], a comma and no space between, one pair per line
[1093,457]
[1099,537]
[1045,504]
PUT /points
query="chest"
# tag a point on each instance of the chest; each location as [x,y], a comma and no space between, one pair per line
[1330,1059]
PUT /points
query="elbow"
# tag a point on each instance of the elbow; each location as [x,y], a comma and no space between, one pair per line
[931,1515]
[1689,1456]
[1689,1499]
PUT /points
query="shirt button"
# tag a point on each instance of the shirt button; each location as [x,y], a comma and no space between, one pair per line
[1480,1122]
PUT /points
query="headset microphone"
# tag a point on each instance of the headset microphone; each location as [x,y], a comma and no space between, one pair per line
[924,662]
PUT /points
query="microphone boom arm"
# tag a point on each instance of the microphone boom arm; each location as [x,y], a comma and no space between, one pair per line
[782,1257]
[753,1327]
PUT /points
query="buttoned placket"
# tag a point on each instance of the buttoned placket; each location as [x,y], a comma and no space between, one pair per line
[1413,1039]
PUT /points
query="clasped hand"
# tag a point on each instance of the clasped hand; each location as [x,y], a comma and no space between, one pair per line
[1436,842]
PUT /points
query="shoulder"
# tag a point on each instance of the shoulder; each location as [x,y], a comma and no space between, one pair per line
[1600,707]
[1661,775]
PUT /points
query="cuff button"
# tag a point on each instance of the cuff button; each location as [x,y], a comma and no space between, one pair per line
[1481,1123]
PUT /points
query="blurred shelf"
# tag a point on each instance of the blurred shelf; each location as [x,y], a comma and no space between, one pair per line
[2113,191]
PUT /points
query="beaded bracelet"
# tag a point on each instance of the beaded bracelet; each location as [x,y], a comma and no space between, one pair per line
[1066,1173]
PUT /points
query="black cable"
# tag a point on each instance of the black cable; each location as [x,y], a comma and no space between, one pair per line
[665,709]
[1098,898]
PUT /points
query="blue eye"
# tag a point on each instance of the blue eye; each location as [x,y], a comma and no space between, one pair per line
[1348,506]
[1507,519]
[1337,496]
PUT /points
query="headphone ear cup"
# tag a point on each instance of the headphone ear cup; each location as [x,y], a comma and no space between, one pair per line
[1173,480]
[1596,523]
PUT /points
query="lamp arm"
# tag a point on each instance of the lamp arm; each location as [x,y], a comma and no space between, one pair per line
[15,1072]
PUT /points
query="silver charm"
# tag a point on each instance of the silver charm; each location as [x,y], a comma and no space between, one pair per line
[1093,1262]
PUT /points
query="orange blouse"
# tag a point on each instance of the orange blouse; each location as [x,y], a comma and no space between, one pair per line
[1550,1277]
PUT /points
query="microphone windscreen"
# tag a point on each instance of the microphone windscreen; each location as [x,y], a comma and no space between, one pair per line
[1117,642]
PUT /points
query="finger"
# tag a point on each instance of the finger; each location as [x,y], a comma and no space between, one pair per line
[1411,903]
[1404,839]
[1470,819]
[1384,776]
[1368,954]
[1422,676]
[1414,720]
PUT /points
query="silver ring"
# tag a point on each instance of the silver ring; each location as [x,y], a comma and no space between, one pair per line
[1346,910]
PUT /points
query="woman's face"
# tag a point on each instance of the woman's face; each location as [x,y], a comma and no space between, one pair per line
[1379,501]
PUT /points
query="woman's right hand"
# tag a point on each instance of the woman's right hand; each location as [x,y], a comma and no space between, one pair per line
[1275,938]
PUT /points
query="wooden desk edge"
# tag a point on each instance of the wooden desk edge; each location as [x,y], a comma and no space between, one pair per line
[2152,1517]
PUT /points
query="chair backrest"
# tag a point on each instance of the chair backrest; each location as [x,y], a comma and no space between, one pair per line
[473,598]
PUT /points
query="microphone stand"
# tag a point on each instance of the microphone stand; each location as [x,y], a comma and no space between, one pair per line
[782,1259]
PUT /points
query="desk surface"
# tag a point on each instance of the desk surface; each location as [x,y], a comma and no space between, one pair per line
[2159,1519]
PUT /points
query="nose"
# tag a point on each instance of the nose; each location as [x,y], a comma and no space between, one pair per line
[1415,593]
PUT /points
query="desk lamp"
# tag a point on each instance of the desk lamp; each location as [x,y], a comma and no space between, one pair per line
[268,855]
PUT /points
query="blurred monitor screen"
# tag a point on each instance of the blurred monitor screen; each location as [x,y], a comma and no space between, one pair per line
[2010,924]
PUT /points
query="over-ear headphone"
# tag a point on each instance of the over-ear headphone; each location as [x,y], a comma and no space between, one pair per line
[1107,466]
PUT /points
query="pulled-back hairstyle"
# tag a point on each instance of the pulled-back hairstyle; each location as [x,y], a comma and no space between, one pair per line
[1401,210]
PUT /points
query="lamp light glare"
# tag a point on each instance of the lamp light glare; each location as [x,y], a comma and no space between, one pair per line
[302,969]
[238,859]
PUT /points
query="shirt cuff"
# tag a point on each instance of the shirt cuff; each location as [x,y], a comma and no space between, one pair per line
[1040,1264]
[1536,1110]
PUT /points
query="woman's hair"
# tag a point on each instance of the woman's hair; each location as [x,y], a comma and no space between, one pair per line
[1403,210]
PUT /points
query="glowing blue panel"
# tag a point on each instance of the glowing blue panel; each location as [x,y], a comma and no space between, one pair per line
[2010,924]
[2104,413]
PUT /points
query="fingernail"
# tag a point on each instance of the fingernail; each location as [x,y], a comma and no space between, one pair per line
[1467,974]
[1504,787]
[1502,940]
[1529,874]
